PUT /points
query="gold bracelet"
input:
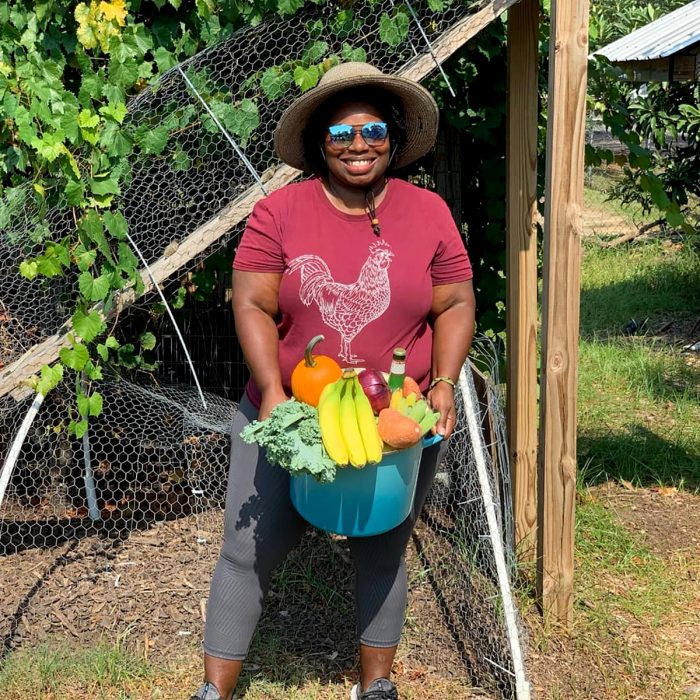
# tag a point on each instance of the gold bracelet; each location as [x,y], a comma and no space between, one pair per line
[447,380]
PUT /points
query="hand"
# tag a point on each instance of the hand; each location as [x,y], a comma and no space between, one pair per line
[442,398]
[270,399]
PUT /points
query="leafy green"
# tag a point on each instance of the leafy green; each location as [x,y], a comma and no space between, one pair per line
[292,440]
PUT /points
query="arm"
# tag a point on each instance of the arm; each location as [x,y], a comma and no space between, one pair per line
[255,306]
[452,317]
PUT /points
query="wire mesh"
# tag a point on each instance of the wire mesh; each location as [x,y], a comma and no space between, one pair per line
[81,518]
[180,187]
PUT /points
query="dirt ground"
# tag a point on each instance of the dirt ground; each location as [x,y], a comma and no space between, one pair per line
[569,666]
[150,591]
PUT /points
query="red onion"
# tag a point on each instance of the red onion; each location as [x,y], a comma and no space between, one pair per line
[376,389]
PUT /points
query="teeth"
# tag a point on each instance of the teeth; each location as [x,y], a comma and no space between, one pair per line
[359,162]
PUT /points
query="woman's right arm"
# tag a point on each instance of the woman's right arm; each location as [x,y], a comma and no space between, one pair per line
[255,305]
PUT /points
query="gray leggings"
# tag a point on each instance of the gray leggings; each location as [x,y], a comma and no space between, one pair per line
[261,526]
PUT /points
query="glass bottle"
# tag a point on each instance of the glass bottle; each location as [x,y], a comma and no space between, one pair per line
[398,369]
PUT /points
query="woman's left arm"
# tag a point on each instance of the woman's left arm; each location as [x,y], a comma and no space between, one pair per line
[452,317]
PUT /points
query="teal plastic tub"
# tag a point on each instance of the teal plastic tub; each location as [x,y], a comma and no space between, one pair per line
[362,502]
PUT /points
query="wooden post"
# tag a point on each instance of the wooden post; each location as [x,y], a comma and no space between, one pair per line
[521,277]
[562,258]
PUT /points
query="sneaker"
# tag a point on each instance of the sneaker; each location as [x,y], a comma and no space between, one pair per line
[381,689]
[207,692]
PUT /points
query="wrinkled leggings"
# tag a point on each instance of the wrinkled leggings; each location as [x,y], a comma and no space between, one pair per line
[261,526]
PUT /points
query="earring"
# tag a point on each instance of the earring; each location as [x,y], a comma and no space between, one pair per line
[323,153]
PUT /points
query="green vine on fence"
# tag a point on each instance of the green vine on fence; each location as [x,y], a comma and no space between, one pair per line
[66,73]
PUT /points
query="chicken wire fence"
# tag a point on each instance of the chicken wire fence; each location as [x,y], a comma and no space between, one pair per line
[606,214]
[151,471]
[151,530]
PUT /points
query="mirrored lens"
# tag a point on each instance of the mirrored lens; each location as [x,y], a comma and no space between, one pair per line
[342,135]
[374,133]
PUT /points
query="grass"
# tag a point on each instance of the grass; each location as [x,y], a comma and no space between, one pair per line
[60,672]
[639,396]
[639,425]
[626,609]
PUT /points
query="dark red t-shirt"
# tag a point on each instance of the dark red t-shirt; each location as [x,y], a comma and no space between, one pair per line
[366,294]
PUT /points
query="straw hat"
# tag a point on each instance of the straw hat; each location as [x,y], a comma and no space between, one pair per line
[420,113]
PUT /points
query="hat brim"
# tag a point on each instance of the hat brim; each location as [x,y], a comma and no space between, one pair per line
[420,116]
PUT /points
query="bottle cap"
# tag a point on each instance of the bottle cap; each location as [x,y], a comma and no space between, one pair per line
[399,354]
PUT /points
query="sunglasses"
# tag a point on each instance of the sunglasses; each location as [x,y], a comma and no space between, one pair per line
[343,135]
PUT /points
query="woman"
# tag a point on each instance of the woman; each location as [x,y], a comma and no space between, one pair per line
[374,263]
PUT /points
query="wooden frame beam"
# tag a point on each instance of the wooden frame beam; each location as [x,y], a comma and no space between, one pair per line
[561,292]
[521,267]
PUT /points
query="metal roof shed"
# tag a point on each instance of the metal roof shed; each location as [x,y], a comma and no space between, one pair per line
[664,50]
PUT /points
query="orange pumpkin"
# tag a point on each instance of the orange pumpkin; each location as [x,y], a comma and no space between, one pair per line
[313,373]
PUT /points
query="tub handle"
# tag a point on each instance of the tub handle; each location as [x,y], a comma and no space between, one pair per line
[429,440]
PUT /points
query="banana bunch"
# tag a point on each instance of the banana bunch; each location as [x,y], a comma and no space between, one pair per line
[347,423]
[416,408]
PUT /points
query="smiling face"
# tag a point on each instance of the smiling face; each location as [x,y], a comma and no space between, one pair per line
[358,166]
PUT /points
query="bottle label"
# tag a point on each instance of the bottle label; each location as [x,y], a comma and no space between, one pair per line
[397,367]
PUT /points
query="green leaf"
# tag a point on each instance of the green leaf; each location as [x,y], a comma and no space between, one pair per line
[93,230]
[351,54]
[315,52]
[28,269]
[49,379]
[111,343]
[115,111]
[75,192]
[275,82]
[115,140]
[104,186]
[84,259]
[165,60]
[52,262]
[181,161]
[393,30]
[88,326]
[78,428]
[306,78]
[147,340]
[74,357]
[242,120]
[90,405]
[124,73]
[40,233]
[116,224]
[127,260]
[674,216]
[87,119]
[178,300]
[93,288]
[152,140]
[289,7]
[436,5]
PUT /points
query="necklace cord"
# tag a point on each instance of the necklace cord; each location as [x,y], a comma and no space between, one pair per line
[372,212]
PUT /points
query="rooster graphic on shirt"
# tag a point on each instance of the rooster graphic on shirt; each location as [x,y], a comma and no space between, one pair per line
[347,308]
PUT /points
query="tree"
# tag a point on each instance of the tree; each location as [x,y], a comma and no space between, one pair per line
[658,122]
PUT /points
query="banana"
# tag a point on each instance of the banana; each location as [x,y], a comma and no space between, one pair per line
[329,422]
[367,424]
[348,424]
